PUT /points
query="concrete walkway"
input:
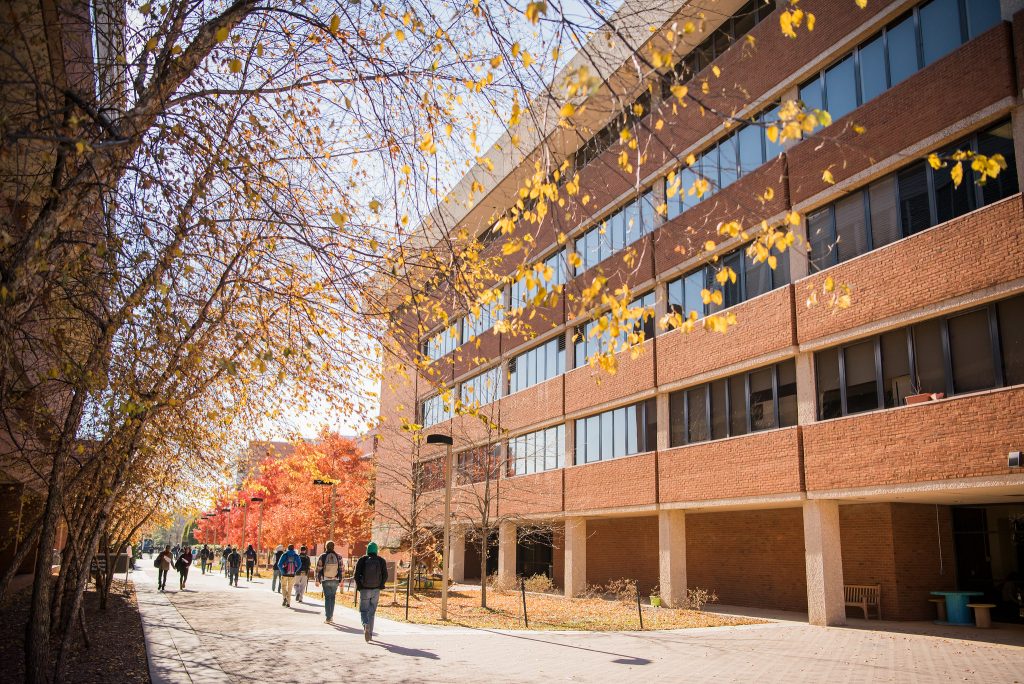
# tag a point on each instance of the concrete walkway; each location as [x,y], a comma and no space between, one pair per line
[213,632]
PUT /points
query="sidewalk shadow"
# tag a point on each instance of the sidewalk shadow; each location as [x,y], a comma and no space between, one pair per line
[402,650]
[346,629]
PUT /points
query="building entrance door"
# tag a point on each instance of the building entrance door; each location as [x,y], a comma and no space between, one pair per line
[534,553]
[989,542]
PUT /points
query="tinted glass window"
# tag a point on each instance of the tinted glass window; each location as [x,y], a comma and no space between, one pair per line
[928,358]
[826,368]
[915,214]
[737,405]
[822,239]
[676,419]
[697,422]
[861,388]
[759,277]
[607,443]
[982,15]
[841,89]
[593,439]
[901,43]
[895,368]
[851,233]
[940,29]
[999,140]
[950,201]
[692,285]
[885,227]
[619,430]
[762,400]
[811,94]
[787,393]
[970,347]
[751,151]
[727,156]
[580,447]
[719,417]
[1011,339]
[772,149]
[872,69]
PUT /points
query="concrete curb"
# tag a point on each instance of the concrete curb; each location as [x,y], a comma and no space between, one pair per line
[175,652]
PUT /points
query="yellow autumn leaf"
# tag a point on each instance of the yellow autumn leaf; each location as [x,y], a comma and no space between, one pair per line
[934,161]
[235,65]
[830,284]
[957,174]
[827,177]
[222,34]
[534,10]
[335,23]
[567,110]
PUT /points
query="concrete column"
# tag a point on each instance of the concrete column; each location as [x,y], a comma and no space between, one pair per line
[507,552]
[661,403]
[457,567]
[1007,8]
[672,558]
[824,559]
[799,256]
[570,443]
[575,556]
[806,391]
[1017,126]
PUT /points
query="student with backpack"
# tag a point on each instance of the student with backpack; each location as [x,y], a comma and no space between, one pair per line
[234,563]
[224,559]
[205,558]
[182,566]
[289,566]
[275,580]
[250,562]
[303,576]
[163,564]
[328,574]
[371,575]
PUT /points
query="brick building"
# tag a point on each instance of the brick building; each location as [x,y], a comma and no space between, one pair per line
[792,455]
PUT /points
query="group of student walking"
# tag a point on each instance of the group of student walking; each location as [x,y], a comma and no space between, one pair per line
[291,572]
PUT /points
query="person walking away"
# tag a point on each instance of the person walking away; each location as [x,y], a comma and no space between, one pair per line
[234,565]
[163,564]
[371,575]
[225,552]
[250,562]
[184,562]
[328,573]
[289,566]
[204,557]
[303,576]
[275,580]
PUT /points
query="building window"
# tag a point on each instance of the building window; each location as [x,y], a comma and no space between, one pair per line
[871,218]
[752,280]
[436,410]
[957,354]
[616,232]
[479,464]
[482,389]
[537,365]
[537,451]
[429,475]
[550,273]
[619,432]
[443,343]
[475,325]
[936,26]
[587,344]
[762,399]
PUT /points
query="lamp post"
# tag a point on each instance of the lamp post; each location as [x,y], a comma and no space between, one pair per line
[259,531]
[446,558]
[332,484]
[245,523]
[227,532]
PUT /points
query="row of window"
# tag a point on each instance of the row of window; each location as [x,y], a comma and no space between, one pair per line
[619,432]
[552,272]
[607,136]
[616,232]
[761,399]
[585,344]
[537,451]
[907,202]
[965,352]
[474,325]
[442,343]
[912,42]
[752,280]
[721,39]
[435,409]
[537,365]
[482,389]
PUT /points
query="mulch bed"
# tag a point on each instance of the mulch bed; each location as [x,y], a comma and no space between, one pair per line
[117,652]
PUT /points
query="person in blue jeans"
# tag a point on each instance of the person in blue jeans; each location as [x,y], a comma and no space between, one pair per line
[371,575]
[328,573]
[275,579]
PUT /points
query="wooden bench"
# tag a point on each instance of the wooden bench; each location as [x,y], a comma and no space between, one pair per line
[982,614]
[864,596]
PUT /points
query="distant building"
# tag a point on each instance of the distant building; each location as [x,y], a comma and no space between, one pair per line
[257,452]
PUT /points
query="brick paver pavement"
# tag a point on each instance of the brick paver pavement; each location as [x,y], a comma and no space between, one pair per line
[244,634]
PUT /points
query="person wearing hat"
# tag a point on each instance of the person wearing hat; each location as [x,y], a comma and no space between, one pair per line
[371,575]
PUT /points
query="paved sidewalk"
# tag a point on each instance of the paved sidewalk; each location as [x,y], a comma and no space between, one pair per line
[248,635]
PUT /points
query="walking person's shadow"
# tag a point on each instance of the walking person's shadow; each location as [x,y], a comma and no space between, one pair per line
[402,650]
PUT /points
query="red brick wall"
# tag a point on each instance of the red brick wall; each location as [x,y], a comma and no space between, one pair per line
[868,556]
[752,465]
[923,543]
[625,481]
[586,386]
[749,558]
[623,548]
[766,325]
[975,247]
[525,494]
[532,405]
[932,441]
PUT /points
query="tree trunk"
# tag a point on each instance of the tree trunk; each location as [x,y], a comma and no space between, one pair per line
[37,631]
[28,544]
[483,573]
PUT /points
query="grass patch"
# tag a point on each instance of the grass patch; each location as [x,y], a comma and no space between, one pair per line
[546,612]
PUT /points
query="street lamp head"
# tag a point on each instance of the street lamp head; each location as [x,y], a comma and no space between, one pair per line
[325,483]
[437,438]
[225,510]
[256,499]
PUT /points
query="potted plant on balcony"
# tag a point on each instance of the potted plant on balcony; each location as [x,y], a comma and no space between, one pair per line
[655,597]
[919,397]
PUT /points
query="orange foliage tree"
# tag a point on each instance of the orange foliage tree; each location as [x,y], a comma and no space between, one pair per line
[295,510]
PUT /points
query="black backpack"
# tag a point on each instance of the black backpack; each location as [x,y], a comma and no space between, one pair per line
[373,574]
